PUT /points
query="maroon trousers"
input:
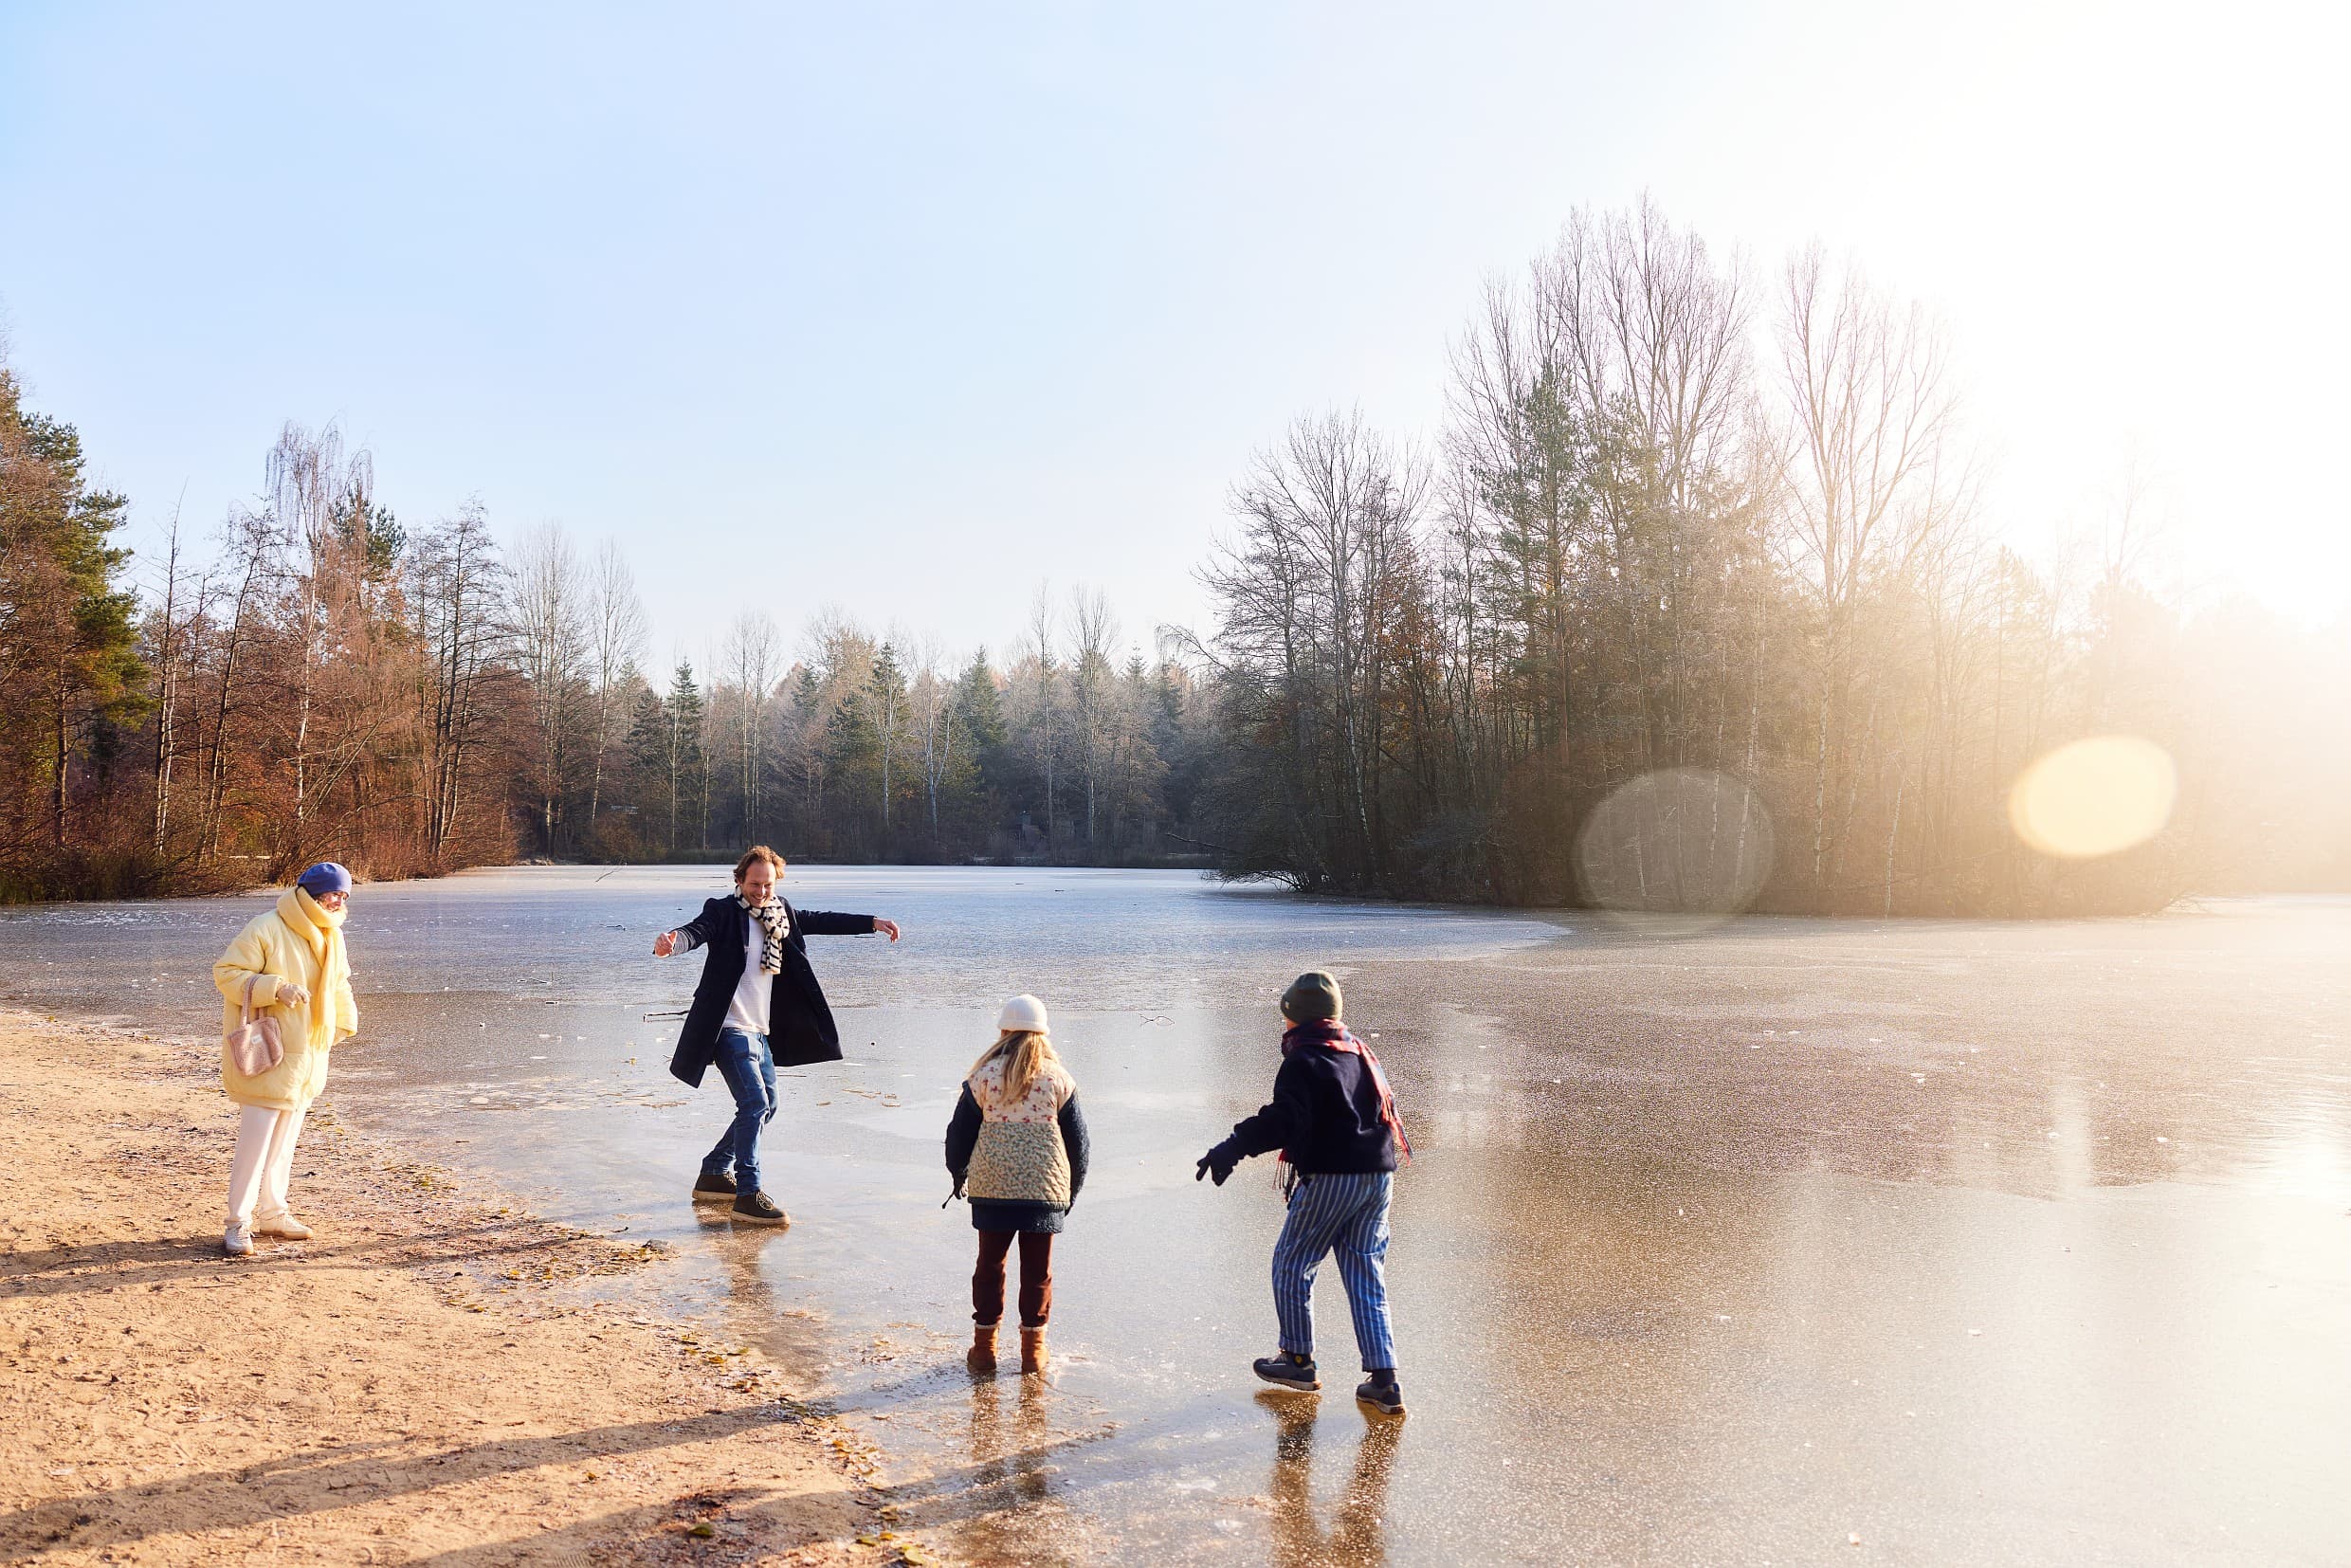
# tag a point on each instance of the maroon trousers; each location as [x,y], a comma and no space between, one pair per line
[1036,1277]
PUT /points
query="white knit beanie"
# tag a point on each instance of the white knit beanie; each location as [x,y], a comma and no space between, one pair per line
[1023,1012]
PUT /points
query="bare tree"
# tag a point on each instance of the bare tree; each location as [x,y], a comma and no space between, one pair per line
[549,619]
[171,639]
[319,500]
[251,542]
[1326,565]
[617,640]
[1866,474]
[457,588]
[1602,412]
[754,659]
[1094,632]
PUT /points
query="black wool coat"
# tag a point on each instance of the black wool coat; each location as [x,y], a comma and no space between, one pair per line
[801,1026]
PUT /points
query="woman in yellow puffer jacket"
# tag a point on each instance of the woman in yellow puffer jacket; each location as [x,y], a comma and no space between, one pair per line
[293,958]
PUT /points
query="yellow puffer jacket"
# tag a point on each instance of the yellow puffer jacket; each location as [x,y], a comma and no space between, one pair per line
[301,943]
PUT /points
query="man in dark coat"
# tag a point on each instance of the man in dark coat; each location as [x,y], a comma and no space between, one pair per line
[759,1004]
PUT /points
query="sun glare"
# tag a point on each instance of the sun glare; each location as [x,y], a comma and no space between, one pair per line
[1679,840]
[2094,797]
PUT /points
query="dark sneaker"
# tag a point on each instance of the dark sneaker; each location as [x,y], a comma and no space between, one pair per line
[1284,1370]
[1381,1391]
[710,1189]
[758,1209]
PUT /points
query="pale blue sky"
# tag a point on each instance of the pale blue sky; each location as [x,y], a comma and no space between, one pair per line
[906,309]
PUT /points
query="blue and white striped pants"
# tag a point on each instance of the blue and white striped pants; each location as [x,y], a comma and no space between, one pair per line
[1347,1213]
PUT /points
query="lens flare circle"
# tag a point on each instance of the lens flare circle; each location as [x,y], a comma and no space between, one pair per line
[1682,841]
[2094,797]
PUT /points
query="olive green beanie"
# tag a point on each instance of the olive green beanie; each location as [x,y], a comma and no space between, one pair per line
[1312,996]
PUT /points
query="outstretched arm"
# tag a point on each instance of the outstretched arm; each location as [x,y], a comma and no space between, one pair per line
[1282,1120]
[1276,1125]
[823,922]
[686,937]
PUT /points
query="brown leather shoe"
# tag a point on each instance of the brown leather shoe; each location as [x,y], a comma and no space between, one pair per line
[1032,1356]
[982,1356]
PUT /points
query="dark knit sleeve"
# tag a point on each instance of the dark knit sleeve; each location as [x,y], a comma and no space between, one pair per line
[1077,1141]
[962,1134]
[1282,1120]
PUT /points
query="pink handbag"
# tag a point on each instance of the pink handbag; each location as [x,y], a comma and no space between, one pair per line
[253,1044]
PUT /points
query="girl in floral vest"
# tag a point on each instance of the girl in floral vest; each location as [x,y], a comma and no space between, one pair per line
[1017,1149]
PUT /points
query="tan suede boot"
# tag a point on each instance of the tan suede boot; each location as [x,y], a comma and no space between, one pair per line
[1032,1356]
[982,1356]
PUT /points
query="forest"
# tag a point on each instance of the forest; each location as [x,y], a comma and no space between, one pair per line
[1691,604]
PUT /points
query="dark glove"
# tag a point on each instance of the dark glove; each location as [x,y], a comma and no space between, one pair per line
[1218,1162]
[956,1193]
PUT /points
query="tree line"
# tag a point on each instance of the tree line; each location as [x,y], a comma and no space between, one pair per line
[329,682]
[1691,603]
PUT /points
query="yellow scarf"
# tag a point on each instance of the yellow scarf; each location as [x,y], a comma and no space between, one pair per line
[321,931]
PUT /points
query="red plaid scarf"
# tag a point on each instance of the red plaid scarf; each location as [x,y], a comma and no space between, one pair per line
[1327,1032]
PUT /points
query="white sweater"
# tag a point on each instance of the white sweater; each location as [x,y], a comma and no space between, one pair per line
[747,1010]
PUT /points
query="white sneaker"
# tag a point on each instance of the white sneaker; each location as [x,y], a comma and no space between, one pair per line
[283,1224]
[237,1242]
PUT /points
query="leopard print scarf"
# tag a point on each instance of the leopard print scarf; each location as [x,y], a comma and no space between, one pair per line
[774,925]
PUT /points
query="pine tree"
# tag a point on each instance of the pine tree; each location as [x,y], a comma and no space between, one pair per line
[683,759]
[885,698]
[979,711]
[648,761]
[804,758]
[852,752]
[69,666]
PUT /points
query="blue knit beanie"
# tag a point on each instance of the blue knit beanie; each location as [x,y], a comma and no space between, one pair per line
[325,877]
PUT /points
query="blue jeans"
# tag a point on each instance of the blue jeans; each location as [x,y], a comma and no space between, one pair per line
[749,1068]
[1346,1214]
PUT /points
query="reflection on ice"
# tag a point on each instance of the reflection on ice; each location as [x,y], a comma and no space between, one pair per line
[1355,1532]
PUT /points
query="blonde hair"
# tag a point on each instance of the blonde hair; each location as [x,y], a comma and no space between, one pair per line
[1025,1052]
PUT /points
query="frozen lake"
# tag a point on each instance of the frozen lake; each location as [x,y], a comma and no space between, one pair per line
[1726,1243]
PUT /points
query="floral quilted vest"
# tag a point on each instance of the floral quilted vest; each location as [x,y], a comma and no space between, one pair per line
[1019,1158]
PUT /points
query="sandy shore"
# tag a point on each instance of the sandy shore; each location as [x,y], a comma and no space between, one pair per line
[425,1381]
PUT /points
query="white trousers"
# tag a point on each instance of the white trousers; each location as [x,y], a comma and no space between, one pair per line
[264,1159]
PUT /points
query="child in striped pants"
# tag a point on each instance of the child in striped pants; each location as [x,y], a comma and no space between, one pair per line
[1335,1121]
